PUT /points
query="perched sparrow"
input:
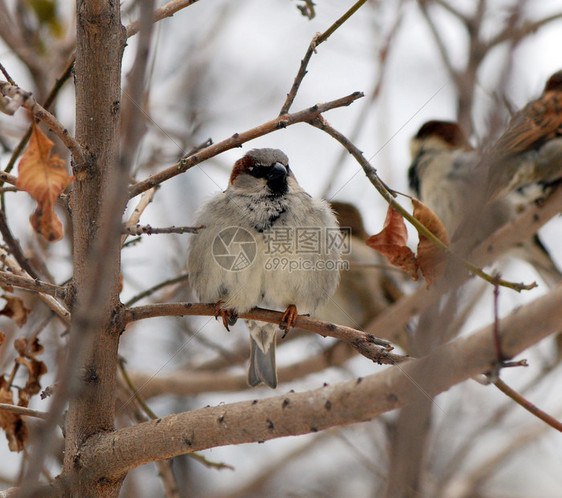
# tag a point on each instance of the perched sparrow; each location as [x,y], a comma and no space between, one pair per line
[535,129]
[445,174]
[266,243]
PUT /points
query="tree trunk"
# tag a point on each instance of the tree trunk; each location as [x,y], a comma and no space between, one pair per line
[96,225]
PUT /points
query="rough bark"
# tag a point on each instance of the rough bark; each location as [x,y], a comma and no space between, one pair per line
[110,455]
[94,333]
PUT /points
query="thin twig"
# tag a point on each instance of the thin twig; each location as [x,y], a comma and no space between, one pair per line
[14,246]
[156,288]
[315,42]
[320,123]
[143,203]
[530,407]
[377,350]
[496,328]
[134,391]
[441,46]
[149,230]
[366,110]
[167,10]
[21,410]
[238,139]
[457,13]
[511,32]
[21,98]
[6,178]
[459,456]
[300,76]
[50,301]
[32,284]
[47,104]
[330,31]
[7,75]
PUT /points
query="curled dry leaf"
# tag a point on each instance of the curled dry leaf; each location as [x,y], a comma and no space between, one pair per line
[15,309]
[28,349]
[36,369]
[391,242]
[13,424]
[432,260]
[28,358]
[44,177]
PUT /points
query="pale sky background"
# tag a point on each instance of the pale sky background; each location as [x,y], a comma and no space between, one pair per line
[248,61]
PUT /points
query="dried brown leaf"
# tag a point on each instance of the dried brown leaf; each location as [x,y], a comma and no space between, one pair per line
[432,260]
[27,357]
[44,177]
[35,370]
[13,424]
[15,309]
[391,242]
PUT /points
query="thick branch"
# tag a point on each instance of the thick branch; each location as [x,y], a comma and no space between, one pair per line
[113,454]
[88,377]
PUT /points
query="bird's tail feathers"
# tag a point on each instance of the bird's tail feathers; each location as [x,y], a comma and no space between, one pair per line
[262,353]
[262,365]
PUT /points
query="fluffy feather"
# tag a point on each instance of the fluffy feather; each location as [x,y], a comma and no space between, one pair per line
[535,129]
[447,176]
[264,196]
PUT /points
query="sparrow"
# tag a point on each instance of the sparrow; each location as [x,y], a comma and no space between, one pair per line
[446,175]
[534,130]
[267,243]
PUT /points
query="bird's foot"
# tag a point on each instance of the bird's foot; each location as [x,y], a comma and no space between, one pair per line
[288,320]
[229,316]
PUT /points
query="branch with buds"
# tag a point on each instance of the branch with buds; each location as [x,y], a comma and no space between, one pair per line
[319,409]
[236,140]
[149,230]
[21,98]
[377,350]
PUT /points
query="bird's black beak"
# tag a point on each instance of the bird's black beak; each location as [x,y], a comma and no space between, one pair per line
[277,179]
[278,171]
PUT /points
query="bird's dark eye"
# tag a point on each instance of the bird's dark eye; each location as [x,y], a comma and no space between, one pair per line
[258,171]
